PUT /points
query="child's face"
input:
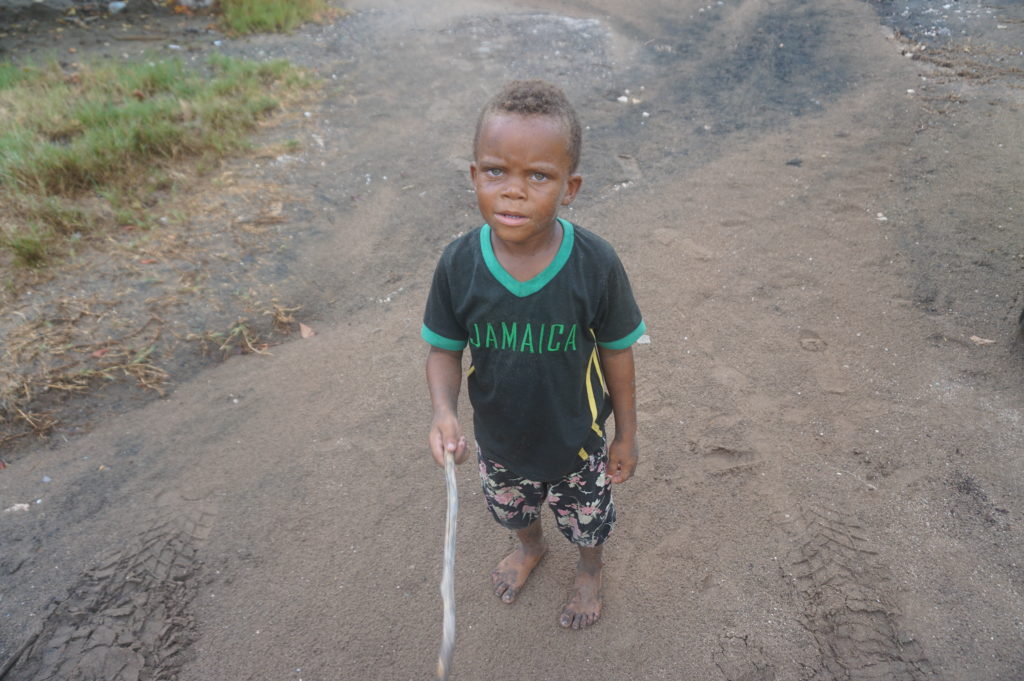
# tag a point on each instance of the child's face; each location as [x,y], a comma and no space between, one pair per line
[522,175]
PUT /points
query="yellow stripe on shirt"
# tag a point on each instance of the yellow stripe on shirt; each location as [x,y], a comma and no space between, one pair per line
[594,365]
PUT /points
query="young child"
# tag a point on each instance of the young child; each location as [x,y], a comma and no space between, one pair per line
[549,316]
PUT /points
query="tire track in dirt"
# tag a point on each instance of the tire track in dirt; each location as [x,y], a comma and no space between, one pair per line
[129,617]
[846,603]
[838,582]
[839,585]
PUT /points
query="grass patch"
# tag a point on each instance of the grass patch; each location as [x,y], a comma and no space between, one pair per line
[90,146]
[29,246]
[262,16]
[10,75]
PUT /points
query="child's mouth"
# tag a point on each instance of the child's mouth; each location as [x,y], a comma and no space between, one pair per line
[511,219]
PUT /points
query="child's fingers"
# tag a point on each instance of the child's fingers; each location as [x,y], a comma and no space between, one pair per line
[618,473]
[439,443]
[446,436]
[461,450]
[437,446]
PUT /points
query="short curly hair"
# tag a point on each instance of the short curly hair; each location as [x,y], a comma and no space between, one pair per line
[535,98]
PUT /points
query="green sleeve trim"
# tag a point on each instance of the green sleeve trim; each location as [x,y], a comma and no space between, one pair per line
[626,341]
[439,341]
[521,289]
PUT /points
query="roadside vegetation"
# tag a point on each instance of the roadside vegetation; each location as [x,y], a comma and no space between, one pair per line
[93,146]
[91,154]
[255,16]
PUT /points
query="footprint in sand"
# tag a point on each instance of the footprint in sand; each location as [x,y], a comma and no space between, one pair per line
[811,341]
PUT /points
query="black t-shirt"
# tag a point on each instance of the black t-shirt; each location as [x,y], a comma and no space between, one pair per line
[539,397]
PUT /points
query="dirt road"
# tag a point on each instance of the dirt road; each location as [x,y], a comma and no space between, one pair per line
[822,221]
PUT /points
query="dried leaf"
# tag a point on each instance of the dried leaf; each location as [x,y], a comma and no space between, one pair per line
[981,341]
[305,331]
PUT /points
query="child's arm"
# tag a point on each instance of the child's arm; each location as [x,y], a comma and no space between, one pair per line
[444,378]
[620,375]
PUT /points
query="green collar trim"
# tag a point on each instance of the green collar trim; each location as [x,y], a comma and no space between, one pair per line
[521,289]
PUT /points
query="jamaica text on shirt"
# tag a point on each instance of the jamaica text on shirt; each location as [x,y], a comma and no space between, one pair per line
[524,337]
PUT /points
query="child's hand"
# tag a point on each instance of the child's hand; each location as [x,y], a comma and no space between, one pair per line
[446,435]
[622,459]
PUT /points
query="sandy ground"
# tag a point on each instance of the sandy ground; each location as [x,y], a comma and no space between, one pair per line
[822,221]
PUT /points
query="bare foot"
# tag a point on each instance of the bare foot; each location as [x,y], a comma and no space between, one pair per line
[510,575]
[584,606]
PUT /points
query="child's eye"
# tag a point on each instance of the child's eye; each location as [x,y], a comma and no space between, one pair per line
[493,172]
[538,177]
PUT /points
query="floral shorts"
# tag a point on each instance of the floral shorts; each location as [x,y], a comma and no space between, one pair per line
[581,501]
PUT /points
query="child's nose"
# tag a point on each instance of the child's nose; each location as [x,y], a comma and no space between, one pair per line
[513,188]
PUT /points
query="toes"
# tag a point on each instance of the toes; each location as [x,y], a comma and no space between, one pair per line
[570,619]
[577,620]
[504,590]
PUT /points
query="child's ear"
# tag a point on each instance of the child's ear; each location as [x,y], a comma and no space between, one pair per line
[572,187]
[472,172]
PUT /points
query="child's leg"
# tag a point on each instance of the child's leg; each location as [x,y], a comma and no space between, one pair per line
[515,504]
[585,514]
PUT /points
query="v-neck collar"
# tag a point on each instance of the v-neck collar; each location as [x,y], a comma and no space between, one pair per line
[522,289]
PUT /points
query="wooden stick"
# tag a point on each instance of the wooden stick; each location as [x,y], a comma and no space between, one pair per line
[444,658]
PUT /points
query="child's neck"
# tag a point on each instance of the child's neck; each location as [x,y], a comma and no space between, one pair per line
[526,260]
